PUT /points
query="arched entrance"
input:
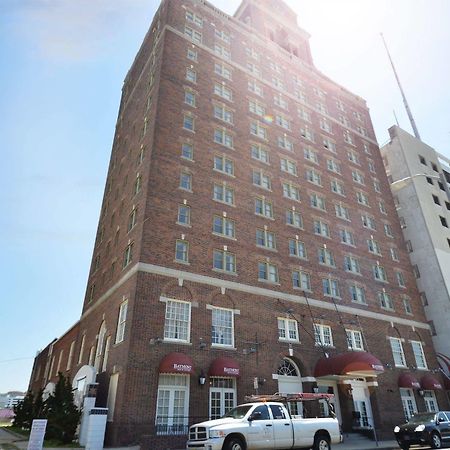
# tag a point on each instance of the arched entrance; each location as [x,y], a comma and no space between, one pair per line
[290,382]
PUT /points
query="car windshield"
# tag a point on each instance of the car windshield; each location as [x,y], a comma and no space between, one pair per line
[239,412]
[422,418]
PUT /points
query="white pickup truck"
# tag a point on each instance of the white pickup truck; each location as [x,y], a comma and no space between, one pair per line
[266,424]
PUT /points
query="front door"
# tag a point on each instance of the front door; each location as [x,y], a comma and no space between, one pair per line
[290,382]
[408,402]
[430,401]
[361,404]
[222,396]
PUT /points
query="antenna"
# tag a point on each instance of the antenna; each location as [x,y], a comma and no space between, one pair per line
[396,120]
[405,102]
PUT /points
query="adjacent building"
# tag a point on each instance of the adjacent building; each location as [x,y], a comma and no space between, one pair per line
[420,184]
[248,240]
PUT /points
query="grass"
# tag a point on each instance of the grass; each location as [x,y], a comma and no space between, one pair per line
[48,443]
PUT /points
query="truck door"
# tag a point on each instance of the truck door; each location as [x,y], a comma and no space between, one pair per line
[260,430]
[282,427]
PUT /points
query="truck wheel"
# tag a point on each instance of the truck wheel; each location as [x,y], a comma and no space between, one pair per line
[321,442]
[234,443]
[436,441]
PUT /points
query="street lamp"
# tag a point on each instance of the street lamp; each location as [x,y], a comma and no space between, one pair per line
[403,181]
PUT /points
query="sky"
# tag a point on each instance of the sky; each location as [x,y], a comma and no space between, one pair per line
[63,65]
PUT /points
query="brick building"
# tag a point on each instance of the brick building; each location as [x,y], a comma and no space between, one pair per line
[248,240]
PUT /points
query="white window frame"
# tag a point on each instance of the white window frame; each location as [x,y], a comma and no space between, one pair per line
[177,327]
[287,330]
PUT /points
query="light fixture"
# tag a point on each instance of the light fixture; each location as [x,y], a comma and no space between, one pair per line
[202,378]
[421,392]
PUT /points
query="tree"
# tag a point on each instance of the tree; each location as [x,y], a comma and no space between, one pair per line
[61,413]
[24,412]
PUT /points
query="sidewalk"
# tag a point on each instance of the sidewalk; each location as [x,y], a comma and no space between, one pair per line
[369,445]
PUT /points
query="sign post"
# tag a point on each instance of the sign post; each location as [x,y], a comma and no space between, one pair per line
[37,434]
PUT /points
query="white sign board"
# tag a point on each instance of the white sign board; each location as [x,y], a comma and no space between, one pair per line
[37,434]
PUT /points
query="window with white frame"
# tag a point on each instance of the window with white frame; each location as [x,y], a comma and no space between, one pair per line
[314,177]
[353,157]
[300,95]
[397,352]
[342,211]
[188,122]
[260,153]
[186,181]
[322,335]
[301,280]
[357,177]
[256,88]
[222,330]
[181,251]
[221,112]
[382,207]
[127,257]
[373,246]
[321,228]
[254,69]
[325,125]
[388,230]
[288,166]
[267,272]
[329,144]
[283,122]
[326,257]
[304,114]
[177,320]
[192,54]
[348,137]
[223,226]
[265,239]
[222,51]
[310,155]
[189,97]
[287,329]
[385,301]
[307,133]
[193,35]
[191,75]
[354,340]
[408,402]
[346,237]
[407,305]
[377,186]
[297,248]
[351,264]
[321,107]
[400,279]
[358,294]
[184,215]
[276,82]
[294,218]
[252,53]
[317,201]
[223,70]
[187,151]
[394,254]
[194,18]
[224,260]
[224,164]
[222,91]
[285,143]
[280,101]
[419,355]
[261,179]
[291,191]
[379,273]
[258,130]
[263,207]
[368,221]
[337,187]
[223,193]
[223,35]
[362,198]
[256,108]
[223,137]
[330,287]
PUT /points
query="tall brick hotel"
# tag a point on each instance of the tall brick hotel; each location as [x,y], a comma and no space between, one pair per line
[248,241]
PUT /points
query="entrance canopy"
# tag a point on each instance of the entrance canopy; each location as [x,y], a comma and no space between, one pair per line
[349,363]
[430,383]
[176,363]
[224,367]
[406,380]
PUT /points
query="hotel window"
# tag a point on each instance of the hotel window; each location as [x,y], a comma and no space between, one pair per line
[351,264]
[294,218]
[362,198]
[307,133]
[377,186]
[301,280]
[252,53]
[314,177]
[275,67]
[337,187]
[264,208]
[388,230]
[254,69]
[223,113]
[287,329]
[319,92]
[224,165]
[187,151]
[342,212]
[222,70]
[223,35]
[317,201]
[188,122]
[325,126]
[132,219]
[260,153]
[291,191]
[310,155]
[193,35]
[223,193]
[186,181]
[194,18]
[361,130]
[322,108]
[368,222]
[276,82]
[321,228]
[382,207]
[223,91]
[222,137]
[304,114]
[184,215]
[137,184]
[288,166]
[397,352]
[121,321]
[354,340]
[329,144]
[416,271]
[256,129]
[223,226]
[285,143]
[348,137]
[297,248]
[366,148]
[254,87]
[282,122]
[394,254]
[192,54]
[358,294]
[189,98]
[407,305]
[419,355]
[265,239]
[300,95]
[128,254]
[379,273]
[322,335]
[373,246]
[181,251]
[353,157]
[371,166]
[357,177]
[256,108]
[347,237]
[385,301]
[400,279]
[267,272]
[222,330]
[225,261]
[222,51]
[177,321]
[261,179]
[326,257]
[340,105]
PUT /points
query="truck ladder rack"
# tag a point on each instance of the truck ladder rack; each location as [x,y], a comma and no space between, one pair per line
[286,398]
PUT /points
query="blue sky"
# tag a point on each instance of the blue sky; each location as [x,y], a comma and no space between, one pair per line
[63,64]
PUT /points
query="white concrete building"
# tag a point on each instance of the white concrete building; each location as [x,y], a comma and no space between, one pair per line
[420,184]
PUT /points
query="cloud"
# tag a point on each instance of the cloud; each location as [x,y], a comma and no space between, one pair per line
[73,31]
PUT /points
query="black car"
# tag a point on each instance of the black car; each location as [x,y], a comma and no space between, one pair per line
[432,428]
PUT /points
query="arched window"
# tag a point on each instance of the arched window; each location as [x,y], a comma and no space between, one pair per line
[288,368]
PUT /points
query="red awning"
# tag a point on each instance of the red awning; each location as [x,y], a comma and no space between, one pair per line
[224,367]
[349,363]
[406,380]
[176,363]
[430,383]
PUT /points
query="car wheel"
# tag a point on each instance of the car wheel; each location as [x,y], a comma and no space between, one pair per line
[234,443]
[321,442]
[436,441]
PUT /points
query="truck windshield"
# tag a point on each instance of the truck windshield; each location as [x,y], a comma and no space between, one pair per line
[238,412]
